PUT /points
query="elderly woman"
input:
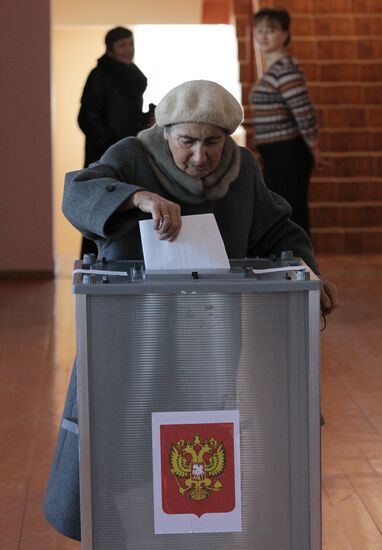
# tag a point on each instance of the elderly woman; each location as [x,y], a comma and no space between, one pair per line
[186,164]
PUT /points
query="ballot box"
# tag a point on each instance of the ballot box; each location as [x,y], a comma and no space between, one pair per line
[199,406]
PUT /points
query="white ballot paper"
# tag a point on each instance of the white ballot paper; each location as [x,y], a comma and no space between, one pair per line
[199,245]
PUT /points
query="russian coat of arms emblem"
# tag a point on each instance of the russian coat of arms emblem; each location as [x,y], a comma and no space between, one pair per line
[196,466]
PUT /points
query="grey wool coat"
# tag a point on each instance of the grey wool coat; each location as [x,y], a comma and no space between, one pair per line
[253,222]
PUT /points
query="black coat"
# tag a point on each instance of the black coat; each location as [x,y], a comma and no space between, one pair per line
[111,105]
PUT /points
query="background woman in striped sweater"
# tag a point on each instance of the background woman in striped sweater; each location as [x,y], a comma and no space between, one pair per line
[285,123]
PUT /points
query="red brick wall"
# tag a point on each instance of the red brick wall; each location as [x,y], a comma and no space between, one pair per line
[243,12]
[216,12]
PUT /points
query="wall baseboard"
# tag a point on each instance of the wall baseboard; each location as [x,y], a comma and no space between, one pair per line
[26,275]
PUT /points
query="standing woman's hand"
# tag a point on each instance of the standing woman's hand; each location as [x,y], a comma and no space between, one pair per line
[166,214]
[319,161]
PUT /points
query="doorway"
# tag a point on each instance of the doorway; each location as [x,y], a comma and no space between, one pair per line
[167,54]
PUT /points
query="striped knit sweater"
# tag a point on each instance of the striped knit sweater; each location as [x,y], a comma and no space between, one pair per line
[282,109]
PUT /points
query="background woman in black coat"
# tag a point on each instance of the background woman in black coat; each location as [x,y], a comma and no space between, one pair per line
[112,100]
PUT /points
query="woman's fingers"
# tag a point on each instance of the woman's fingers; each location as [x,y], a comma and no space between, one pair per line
[171,223]
[329,296]
[166,215]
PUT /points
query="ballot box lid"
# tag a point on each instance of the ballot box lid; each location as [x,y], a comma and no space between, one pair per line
[244,275]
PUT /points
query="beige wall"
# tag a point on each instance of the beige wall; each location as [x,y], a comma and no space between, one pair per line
[116,12]
[75,51]
[25,138]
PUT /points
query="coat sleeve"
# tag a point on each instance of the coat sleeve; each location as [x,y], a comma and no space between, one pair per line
[91,117]
[93,196]
[272,229]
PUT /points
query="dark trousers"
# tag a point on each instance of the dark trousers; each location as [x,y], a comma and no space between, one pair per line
[287,166]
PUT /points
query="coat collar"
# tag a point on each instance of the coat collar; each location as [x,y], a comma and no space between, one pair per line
[179,184]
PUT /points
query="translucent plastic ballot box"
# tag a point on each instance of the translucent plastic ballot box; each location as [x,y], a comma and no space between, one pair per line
[199,407]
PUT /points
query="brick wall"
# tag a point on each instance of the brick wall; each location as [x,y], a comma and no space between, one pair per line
[216,11]
[339,44]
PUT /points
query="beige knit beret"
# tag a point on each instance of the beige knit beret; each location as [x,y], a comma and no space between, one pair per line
[200,101]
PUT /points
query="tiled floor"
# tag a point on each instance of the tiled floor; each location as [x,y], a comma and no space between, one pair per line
[36,350]
[352,404]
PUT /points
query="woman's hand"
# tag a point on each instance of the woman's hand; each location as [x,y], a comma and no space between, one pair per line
[166,214]
[319,161]
[328,296]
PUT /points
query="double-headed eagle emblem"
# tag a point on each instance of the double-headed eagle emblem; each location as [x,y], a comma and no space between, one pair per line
[194,463]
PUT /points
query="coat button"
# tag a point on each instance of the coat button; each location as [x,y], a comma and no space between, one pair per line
[110,188]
